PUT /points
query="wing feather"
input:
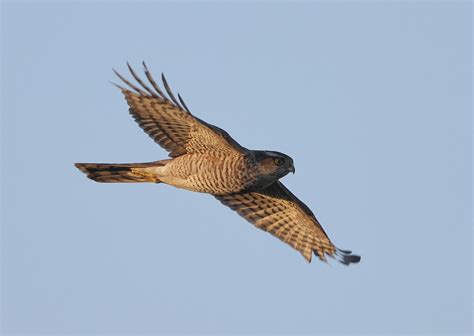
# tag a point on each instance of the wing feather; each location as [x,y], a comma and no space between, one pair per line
[276,210]
[168,121]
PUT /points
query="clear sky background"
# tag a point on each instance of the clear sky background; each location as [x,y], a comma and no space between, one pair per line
[371,99]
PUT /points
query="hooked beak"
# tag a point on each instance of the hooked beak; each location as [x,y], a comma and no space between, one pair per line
[292,169]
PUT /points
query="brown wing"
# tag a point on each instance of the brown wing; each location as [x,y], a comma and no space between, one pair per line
[168,121]
[276,210]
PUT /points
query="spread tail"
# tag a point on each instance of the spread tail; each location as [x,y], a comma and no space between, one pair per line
[127,172]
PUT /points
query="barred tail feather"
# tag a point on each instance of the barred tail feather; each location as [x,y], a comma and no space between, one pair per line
[128,172]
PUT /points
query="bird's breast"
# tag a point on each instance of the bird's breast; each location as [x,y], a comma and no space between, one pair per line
[213,173]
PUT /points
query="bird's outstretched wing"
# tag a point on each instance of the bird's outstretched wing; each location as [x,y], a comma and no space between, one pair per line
[169,122]
[276,210]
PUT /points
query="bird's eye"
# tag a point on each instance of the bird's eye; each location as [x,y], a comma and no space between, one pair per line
[279,161]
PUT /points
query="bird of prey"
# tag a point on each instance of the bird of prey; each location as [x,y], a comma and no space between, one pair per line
[206,159]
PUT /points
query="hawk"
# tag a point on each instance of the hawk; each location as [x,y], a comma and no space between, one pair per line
[205,158]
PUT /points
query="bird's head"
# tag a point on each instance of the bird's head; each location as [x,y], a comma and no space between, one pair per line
[272,166]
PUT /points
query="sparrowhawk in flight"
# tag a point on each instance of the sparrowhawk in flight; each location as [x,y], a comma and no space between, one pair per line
[205,158]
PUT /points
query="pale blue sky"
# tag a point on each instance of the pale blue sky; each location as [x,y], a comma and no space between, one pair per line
[371,99]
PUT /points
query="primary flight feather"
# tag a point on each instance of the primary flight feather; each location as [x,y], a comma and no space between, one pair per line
[204,158]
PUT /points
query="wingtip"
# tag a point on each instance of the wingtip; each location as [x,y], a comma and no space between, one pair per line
[344,251]
[116,85]
[346,257]
[119,75]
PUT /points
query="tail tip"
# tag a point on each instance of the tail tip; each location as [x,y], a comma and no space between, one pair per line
[81,167]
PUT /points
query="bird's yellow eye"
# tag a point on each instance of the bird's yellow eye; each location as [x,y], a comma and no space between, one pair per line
[279,161]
